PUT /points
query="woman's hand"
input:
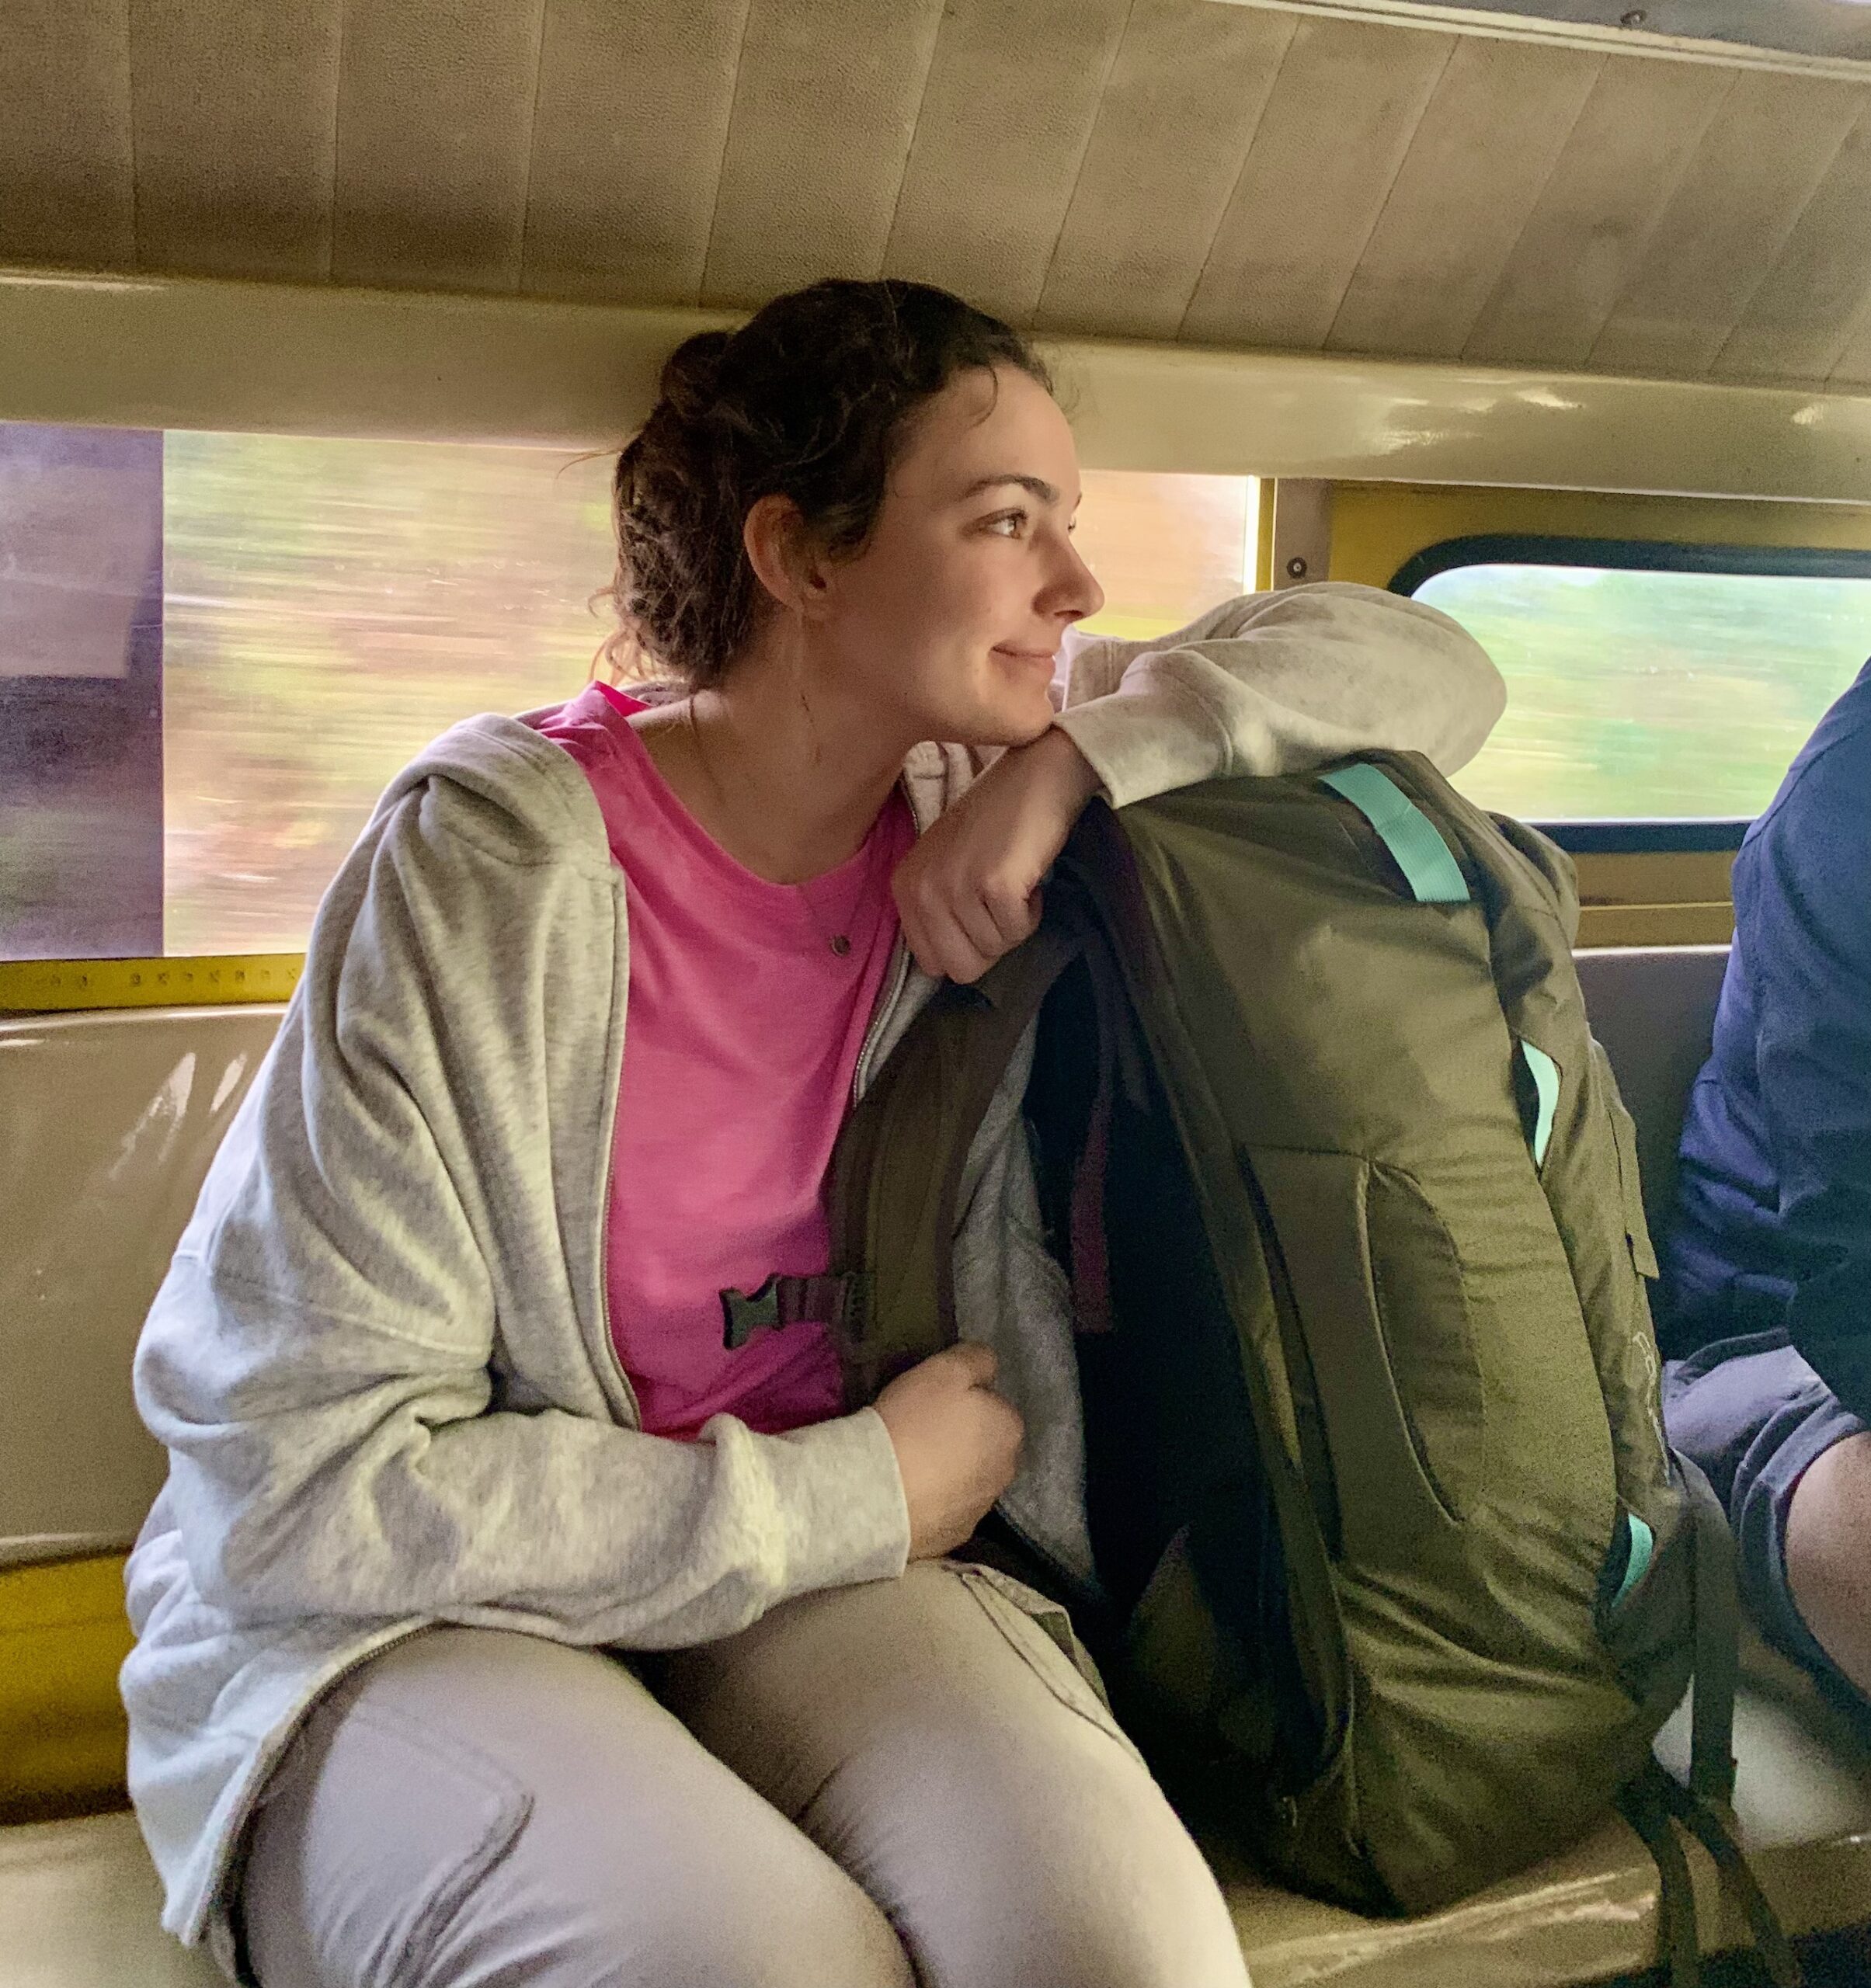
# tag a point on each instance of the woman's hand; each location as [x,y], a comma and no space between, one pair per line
[956,1442]
[969,890]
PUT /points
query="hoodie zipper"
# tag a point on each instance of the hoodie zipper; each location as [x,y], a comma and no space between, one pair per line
[880,1017]
[615,1079]
[899,975]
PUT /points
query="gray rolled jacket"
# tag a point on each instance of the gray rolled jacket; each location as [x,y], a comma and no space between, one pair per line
[381,1359]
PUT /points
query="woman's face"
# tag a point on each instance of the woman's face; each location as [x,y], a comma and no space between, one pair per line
[948,621]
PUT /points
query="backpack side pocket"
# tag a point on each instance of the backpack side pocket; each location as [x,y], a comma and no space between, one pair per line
[1320,1205]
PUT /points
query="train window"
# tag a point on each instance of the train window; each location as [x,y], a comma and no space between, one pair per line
[215,649]
[1166,548]
[1649,683]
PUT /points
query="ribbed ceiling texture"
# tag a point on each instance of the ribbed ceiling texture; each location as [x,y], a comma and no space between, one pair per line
[1163,169]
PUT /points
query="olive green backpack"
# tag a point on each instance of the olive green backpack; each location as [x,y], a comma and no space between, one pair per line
[1403,1574]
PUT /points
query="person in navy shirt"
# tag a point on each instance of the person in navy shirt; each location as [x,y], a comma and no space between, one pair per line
[1765,1305]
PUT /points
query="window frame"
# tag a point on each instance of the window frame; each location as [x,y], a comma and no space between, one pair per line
[1639,835]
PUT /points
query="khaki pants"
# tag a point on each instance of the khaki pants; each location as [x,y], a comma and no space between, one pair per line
[905,1782]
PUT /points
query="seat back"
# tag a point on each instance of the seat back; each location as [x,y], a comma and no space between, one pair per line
[1654,1009]
[107,1124]
[110,1121]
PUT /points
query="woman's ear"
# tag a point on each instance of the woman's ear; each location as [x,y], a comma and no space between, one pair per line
[784,559]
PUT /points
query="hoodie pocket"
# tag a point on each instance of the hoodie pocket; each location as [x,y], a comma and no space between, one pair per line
[1041,1633]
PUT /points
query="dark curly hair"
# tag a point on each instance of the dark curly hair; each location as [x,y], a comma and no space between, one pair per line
[810,399]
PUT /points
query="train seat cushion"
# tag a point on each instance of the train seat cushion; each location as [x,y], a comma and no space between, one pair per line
[1802,1801]
[79,1904]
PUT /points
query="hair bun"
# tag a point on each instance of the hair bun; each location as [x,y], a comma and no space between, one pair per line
[691,374]
[808,401]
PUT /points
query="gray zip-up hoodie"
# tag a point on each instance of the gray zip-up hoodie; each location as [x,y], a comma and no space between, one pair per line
[381,1359]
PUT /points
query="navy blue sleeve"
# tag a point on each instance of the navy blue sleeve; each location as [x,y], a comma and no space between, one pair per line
[1804,903]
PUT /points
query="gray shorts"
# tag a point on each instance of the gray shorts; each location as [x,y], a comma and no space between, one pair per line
[1754,1416]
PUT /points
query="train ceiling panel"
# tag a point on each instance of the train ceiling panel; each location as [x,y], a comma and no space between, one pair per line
[1818,31]
[1248,175]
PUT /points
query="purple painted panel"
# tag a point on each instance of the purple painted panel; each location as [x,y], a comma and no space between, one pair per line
[81,692]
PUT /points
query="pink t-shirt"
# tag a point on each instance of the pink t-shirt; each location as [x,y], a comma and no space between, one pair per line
[741,1039]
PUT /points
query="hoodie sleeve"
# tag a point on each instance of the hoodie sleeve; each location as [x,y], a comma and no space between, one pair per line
[1274,683]
[370,1361]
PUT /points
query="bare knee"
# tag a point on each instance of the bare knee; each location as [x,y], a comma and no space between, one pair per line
[1828,1554]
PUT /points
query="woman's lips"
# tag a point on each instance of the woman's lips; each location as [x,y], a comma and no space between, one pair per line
[1035,656]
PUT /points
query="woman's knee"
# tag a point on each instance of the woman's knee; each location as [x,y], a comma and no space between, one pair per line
[1828,1554]
[580,1836]
[1061,1862]
[935,1738]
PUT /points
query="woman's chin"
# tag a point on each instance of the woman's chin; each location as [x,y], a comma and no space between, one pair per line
[1021,714]
[1013,726]
[1003,711]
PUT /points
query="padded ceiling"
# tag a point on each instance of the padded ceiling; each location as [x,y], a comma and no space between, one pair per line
[1163,170]
[1832,31]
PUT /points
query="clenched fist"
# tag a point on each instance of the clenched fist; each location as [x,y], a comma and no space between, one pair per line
[957,1444]
[969,890]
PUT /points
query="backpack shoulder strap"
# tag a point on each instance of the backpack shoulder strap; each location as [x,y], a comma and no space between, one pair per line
[894,1186]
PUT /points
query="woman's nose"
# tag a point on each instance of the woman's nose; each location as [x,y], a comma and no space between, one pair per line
[1075,594]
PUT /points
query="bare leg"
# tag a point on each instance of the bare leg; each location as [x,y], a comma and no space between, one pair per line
[1828,1554]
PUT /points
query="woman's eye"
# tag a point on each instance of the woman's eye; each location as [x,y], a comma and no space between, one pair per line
[1009,523]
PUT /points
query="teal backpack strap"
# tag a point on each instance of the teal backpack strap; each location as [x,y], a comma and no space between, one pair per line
[1412,838]
[1417,848]
[1641,1549]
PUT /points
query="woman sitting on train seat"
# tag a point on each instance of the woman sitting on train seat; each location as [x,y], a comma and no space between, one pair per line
[497,1622]
[1767,1269]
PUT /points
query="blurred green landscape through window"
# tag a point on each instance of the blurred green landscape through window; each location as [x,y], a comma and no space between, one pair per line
[315,611]
[1647,695]
[330,607]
